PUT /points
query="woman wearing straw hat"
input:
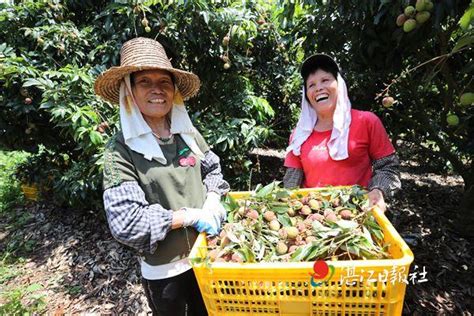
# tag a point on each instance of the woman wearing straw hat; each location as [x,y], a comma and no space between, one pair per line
[162,184]
[333,144]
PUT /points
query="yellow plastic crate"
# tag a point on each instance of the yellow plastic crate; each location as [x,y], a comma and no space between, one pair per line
[30,191]
[358,287]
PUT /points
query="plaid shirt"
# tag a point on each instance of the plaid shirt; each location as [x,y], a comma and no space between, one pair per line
[212,174]
[136,223]
[385,176]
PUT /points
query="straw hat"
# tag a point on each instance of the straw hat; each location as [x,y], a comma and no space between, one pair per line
[143,54]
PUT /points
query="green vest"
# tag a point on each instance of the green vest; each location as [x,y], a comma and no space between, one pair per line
[172,186]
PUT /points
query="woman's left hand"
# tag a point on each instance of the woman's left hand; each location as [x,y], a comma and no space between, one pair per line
[213,203]
[376,198]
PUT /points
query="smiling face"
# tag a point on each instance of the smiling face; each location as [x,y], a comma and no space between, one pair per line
[154,92]
[321,92]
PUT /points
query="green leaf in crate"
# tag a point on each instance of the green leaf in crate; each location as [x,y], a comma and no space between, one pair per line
[353,249]
[302,252]
[366,234]
[196,260]
[347,225]
[317,226]
[326,193]
[266,190]
[259,249]
[316,252]
[279,208]
[230,203]
[282,194]
[345,198]
[325,204]
[324,231]
[373,227]
[378,234]
[246,253]
[284,219]
[350,205]
[367,254]
[232,217]
[232,236]
[358,191]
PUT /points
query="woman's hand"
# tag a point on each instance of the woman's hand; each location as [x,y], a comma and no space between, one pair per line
[376,198]
[213,204]
[202,220]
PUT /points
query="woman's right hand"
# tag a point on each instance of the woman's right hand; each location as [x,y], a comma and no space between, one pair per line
[376,198]
[208,221]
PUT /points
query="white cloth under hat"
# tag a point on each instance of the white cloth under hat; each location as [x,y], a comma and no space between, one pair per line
[339,140]
[139,136]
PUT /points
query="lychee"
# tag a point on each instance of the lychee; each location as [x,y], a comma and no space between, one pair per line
[281,248]
[467,98]
[409,25]
[269,216]
[388,101]
[422,17]
[409,11]
[452,119]
[401,19]
[274,225]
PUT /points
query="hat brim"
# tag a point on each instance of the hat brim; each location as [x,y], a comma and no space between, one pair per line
[316,61]
[107,84]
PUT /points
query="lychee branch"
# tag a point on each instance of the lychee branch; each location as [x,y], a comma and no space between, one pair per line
[440,59]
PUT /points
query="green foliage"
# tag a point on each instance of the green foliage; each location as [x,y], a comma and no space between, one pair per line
[23,300]
[467,18]
[247,55]
[53,52]
[7,272]
[74,290]
[10,193]
[16,246]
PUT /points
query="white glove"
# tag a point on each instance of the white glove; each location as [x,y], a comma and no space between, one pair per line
[213,204]
[202,220]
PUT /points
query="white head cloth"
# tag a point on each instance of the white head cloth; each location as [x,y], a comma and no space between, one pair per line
[338,143]
[138,135]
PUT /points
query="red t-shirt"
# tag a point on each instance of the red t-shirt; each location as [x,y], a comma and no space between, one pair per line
[368,141]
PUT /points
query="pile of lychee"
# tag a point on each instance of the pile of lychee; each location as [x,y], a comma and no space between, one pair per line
[277,227]
[414,16]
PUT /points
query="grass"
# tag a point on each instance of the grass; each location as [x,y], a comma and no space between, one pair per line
[22,300]
[7,272]
[11,196]
[10,192]
[15,299]
[74,290]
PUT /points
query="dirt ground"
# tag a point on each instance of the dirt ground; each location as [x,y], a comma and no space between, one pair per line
[84,270]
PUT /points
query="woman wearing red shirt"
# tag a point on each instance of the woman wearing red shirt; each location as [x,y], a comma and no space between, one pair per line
[333,144]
